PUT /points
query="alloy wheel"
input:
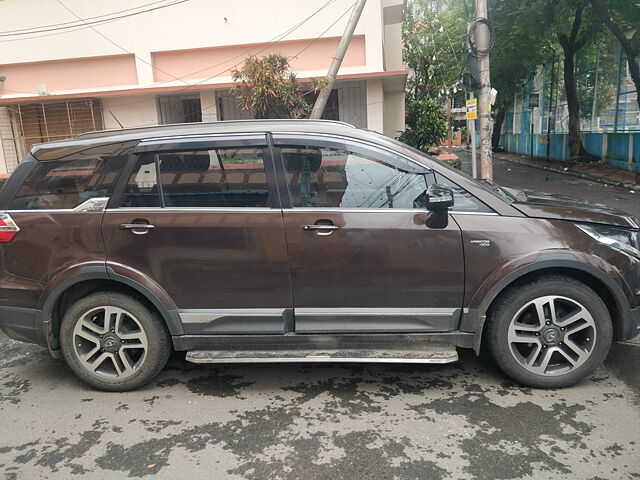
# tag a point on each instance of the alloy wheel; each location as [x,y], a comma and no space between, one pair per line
[110,342]
[552,335]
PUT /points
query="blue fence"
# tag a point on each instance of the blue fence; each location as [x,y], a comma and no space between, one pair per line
[620,150]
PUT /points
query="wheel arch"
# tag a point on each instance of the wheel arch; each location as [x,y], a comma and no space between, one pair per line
[613,295]
[93,279]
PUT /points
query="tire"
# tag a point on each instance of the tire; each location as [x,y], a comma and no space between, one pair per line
[113,342]
[562,350]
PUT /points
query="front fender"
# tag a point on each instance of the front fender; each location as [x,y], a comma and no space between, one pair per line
[583,262]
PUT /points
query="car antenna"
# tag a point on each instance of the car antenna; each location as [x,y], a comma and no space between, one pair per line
[116,119]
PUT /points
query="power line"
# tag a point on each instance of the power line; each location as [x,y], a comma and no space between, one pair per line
[70,30]
[117,45]
[278,38]
[326,30]
[73,24]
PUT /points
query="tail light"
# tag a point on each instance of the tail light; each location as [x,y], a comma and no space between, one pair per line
[8,228]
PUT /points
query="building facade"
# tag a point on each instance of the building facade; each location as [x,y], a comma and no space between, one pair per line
[80,66]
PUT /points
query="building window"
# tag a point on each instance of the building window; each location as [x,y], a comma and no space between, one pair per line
[46,121]
[180,109]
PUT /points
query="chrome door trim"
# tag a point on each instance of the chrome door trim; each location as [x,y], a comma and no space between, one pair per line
[233,321]
[379,210]
[376,320]
[195,209]
[205,315]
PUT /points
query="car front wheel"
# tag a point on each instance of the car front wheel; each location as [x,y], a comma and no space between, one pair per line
[552,332]
[113,342]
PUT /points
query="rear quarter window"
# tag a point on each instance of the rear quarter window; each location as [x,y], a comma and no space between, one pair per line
[69,182]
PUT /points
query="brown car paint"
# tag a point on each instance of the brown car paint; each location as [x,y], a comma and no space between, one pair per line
[207,260]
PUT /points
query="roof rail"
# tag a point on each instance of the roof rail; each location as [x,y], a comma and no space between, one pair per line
[193,124]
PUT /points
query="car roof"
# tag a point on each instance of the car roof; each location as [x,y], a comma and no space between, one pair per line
[62,148]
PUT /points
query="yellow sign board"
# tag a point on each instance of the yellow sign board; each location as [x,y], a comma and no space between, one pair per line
[472,109]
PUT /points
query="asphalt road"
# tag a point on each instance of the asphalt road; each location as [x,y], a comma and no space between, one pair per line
[464,420]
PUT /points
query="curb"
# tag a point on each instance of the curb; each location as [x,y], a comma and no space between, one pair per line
[584,176]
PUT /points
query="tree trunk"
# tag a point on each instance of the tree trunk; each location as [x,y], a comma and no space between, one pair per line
[571,91]
[570,46]
[631,52]
[497,128]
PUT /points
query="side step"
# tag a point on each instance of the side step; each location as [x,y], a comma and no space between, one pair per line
[432,353]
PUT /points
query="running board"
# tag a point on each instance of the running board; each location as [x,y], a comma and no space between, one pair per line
[435,354]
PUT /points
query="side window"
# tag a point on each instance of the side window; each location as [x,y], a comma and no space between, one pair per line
[327,177]
[221,177]
[142,187]
[463,201]
[67,183]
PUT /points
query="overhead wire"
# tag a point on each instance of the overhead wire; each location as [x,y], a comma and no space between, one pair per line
[300,52]
[116,44]
[75,23]
[278,38]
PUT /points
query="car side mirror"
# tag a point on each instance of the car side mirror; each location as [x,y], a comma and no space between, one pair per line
[439,201]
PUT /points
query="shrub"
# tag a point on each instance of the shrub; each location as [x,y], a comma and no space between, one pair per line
[426,124]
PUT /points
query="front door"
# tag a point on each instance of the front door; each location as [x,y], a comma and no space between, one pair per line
[361,256]
[199,219]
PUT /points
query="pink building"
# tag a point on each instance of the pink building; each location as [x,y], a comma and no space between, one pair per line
[169,61]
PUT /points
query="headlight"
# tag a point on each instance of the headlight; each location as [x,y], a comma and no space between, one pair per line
[623,239]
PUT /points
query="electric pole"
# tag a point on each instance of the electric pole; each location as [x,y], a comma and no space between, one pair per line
[449,125]
[486,122]
[323,97]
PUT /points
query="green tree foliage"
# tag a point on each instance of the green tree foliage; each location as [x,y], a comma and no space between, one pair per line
[270,89]
[575,27]
[521,45]
[433,52]
[622,18]
[426,124]
[604,55]
[433,37]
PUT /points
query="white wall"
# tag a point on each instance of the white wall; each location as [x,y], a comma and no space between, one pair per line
[394,122]
[375,105]
[194,24]
[131,111]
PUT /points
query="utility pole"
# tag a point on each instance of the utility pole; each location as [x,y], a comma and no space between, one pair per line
[449,125]
[486,122]
[323,97]
[620,67]
[551,108]
[472,131]
[595,89]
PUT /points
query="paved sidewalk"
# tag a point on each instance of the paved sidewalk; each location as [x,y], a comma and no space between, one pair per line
[509,173]
[596,172]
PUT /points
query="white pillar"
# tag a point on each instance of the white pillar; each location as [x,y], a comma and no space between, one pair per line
[209,106]
[375,105]
[144,70]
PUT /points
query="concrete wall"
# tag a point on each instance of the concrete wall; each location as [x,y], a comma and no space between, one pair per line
[130,110]
[191,37]
[188,27]
[620,150]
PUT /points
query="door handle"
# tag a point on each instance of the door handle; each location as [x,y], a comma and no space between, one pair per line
[137,228]
[321,229]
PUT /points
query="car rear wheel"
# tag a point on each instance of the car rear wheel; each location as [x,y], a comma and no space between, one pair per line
[552,332]
[113,342]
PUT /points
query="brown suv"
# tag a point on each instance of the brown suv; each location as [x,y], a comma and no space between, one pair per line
[277,241]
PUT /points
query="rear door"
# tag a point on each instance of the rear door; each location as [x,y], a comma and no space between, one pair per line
[361,256]
[200,217]
[58,208]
